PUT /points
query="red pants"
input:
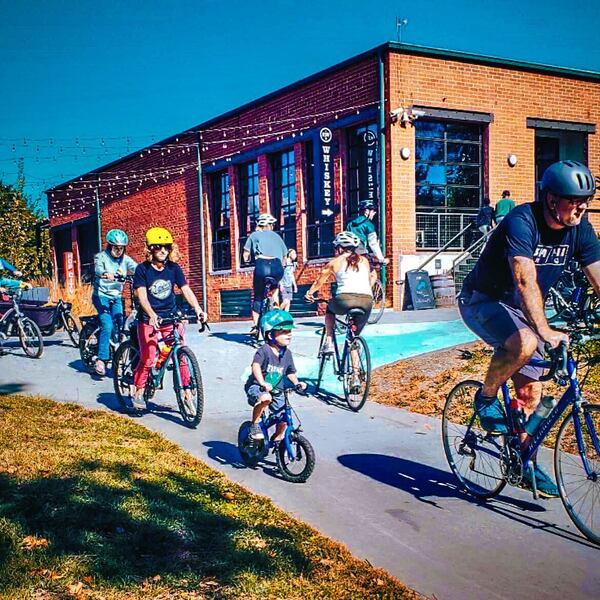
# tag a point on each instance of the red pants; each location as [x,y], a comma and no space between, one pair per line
[148,339]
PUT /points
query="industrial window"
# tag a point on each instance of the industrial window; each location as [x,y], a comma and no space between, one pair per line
[220,219]
[449,170]
[283,198]
[362,180]
[320,227]
[248,203]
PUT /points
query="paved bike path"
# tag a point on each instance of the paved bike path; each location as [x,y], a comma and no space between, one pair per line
[381,484]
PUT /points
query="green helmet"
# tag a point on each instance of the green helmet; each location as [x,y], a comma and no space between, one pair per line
[277,319]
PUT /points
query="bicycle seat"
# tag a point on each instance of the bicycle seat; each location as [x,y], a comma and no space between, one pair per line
[356,312]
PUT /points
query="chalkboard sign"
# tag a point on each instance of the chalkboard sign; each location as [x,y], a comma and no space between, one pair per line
[418,292]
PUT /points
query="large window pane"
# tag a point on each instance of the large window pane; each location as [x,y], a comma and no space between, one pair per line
[428,195]
[320,227]
[463,153]
[248,203]
[220,217]
[431,174]
[430,129]
[460,197]
[429,150]
[283,197]
[462,175]
[463,132]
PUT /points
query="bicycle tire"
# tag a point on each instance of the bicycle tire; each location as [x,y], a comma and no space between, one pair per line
[356,400]
[191,413]
[250,459]
[479,479]
[124,363]
[302,447]
[88,345]
[30,337]
[71,327]
[576,488]
[378,302]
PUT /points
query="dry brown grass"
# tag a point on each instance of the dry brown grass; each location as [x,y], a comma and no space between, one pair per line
[81,300]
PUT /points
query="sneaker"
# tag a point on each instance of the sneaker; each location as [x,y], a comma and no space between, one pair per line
[327,348]
[545,484]
[256,432]
[254,330]
[490,414]
[100,368]
[137,401]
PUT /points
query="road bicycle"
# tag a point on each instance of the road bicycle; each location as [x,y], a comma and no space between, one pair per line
[484,463]
[14,322]
[267,304]
[90,332]
[172,355]
[353,365]
[294,453]
[378,290]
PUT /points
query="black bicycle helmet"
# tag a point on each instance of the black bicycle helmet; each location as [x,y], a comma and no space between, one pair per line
[569,179]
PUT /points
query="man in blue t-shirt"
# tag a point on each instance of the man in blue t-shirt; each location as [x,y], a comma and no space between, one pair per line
[502,299]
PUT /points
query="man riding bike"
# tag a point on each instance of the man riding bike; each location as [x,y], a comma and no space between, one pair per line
[269,251]
[502,299]
[110,265]
[363,227]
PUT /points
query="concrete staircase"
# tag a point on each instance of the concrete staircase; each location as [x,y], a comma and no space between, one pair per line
[464,263]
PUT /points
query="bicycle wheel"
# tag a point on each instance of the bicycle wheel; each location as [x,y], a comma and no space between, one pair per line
[378,302]
[300,468]
[124,363]
[30,337]
[356,374]
[250,451]
[580,493]
[71,327]
[190,397]
[88,344]
[473,454]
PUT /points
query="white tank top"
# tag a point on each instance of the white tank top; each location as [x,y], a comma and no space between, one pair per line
[350,281]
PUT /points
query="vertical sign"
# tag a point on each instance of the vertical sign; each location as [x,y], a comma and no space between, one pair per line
[69,270]
[370,141]
[327,171]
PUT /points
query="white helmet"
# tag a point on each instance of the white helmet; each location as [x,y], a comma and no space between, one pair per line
[265,219]
[346,239]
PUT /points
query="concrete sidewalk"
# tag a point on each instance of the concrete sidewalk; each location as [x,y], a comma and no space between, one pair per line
[381,484]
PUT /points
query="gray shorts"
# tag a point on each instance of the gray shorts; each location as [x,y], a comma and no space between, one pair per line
[343,303]
[495,321]
[286,293]
[254,392]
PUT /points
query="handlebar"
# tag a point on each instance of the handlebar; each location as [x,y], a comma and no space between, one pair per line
[180,318]
[277,392]
[558,356]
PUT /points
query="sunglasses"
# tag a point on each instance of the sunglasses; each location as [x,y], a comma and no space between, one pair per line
[157,247]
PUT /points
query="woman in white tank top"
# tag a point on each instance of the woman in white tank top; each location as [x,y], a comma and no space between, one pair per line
[354,280]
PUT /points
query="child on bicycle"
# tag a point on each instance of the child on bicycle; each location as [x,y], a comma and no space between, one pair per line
[272,364]
[154,283]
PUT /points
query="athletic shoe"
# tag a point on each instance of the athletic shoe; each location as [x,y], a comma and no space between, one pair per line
[327,348]
[491,415]
[545,484]
[137,402]
[256,432]
[100,368]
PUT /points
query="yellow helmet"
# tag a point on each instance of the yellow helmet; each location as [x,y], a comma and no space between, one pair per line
[158,235]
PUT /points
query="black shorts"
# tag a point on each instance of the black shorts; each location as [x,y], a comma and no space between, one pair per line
[265,267]
[343,303]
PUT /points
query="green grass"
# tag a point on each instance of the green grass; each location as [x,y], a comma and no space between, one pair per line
[95,506]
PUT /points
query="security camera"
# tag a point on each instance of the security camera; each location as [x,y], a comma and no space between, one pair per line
[395,114]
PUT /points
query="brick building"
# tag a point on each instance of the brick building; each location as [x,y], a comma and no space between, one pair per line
[427,133]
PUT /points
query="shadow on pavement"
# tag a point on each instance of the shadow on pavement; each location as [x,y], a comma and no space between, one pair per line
[225,453]
[12,388]
[428,484]
[79,365]
[324,396]
[237,338]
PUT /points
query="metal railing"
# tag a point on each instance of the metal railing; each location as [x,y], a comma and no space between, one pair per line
[435,229]
[447,245]
[474,250]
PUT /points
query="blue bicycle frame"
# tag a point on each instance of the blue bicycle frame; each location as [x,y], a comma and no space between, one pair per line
[267,422]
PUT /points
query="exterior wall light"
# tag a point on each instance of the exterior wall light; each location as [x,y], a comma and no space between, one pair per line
[512,160]
[405,153]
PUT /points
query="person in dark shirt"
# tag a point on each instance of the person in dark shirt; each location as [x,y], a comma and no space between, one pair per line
[154,283]
[272,365]
[485,217]
[502,299]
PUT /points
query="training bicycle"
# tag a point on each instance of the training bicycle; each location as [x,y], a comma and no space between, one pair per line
[90,332]
[294,453]
[172,355]
[352,365]
[267,304]
[14,322]
[484,463]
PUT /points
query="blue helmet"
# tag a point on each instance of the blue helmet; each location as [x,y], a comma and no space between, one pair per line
[117,237]
[569,179]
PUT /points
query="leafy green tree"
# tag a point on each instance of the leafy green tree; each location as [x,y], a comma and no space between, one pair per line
[24,241]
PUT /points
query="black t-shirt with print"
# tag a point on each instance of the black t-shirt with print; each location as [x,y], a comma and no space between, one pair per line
[524,232]
[159,286]
[274,367]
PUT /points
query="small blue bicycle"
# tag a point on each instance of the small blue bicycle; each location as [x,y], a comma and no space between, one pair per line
[484,463]
[295,454]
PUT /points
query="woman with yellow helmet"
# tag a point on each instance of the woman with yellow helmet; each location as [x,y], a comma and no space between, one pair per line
[154,283]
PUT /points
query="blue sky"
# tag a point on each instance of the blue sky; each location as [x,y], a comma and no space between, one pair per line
[83,82]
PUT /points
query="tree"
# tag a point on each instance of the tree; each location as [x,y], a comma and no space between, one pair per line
[24,240]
